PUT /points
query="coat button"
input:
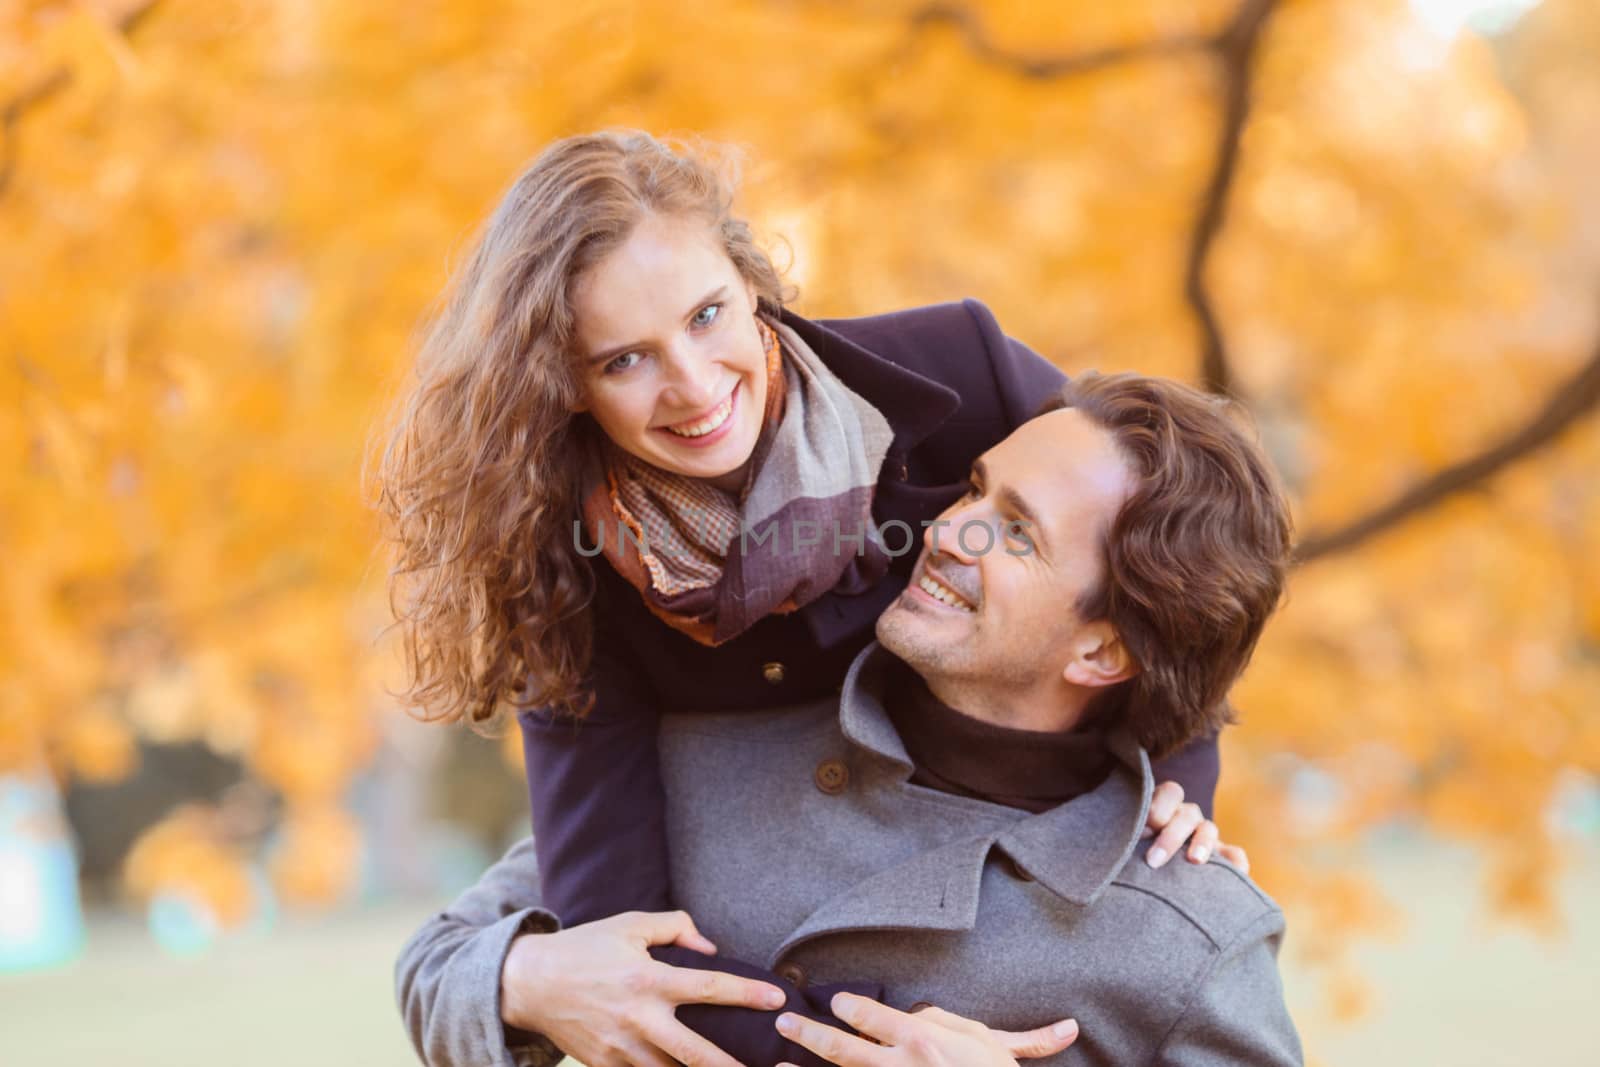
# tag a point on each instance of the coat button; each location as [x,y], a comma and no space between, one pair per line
[832,776]
[792,973]
[1016,870]
[772,672]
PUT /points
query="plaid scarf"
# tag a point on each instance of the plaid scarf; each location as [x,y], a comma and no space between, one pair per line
[712,565]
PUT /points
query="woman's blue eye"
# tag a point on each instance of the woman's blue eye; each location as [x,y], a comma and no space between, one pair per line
[707,315]
[618,365]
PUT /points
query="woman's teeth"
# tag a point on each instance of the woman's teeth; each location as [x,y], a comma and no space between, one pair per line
[941,594]
[704,426]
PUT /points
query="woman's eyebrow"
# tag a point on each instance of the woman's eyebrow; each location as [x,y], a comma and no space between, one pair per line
[605,355]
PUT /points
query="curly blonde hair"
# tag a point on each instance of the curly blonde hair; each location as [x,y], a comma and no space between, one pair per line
[477,483]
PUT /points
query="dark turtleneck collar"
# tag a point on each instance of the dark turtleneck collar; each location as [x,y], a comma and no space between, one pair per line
[1034,770]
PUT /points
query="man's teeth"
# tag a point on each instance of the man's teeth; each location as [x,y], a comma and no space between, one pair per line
[941,594]
[707,424]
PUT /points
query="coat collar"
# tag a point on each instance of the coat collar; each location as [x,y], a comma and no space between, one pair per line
[914,404]
[1073,850]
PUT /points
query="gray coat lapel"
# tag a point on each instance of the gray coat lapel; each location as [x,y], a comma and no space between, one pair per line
[936,890]
[1075,850]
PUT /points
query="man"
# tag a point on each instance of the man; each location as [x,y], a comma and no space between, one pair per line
[963,824]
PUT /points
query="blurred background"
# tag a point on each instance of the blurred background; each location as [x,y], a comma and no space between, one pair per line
[221,224]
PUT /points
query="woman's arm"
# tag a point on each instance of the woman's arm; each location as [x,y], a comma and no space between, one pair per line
[595,791]
[597,800]
[1196,766]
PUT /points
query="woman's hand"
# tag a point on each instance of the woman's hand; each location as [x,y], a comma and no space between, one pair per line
[596,993]
[931,1037]
[1176,822]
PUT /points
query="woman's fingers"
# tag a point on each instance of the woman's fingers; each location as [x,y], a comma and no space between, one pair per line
[1203,843]
[832,1044]
[1172,836]
[1045,1041]
[1235,855]
[669,928]
[684,985]
[1164,804]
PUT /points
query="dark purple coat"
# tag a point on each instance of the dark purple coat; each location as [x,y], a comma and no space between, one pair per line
[951,385]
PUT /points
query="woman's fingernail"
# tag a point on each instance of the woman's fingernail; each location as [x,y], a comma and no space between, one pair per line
[787,1024]
[1064,1029]
[1156,856]
[774,998]
[1202,854]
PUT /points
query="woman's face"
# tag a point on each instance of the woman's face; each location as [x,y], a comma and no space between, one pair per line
[671,362]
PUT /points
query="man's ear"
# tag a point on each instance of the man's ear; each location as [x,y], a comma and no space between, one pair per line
[1099,658]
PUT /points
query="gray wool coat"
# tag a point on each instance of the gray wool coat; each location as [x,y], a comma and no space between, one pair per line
[797,841]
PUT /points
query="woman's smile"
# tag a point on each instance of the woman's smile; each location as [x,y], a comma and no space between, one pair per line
[706,429]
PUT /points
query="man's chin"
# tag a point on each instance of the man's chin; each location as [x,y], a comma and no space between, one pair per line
[902,630]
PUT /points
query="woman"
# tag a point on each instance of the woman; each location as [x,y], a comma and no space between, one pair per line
[612,399]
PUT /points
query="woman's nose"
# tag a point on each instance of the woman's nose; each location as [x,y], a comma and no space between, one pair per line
[693,381]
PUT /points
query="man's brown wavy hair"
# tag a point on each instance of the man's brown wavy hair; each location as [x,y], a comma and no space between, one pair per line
[1196,559]
[478,477]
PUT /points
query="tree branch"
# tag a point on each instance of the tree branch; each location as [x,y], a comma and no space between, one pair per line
[1236,49]
[49,85]
[1567,404]
[1042,68]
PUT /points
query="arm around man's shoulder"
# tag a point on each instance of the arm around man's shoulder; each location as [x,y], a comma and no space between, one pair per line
[961,345]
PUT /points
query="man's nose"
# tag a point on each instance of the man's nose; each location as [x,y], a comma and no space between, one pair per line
[964,534]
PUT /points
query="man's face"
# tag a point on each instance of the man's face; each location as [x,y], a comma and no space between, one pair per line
[990,614]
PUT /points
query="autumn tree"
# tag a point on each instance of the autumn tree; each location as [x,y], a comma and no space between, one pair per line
[222,222]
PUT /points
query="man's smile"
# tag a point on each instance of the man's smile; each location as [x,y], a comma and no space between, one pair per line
[941,591]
